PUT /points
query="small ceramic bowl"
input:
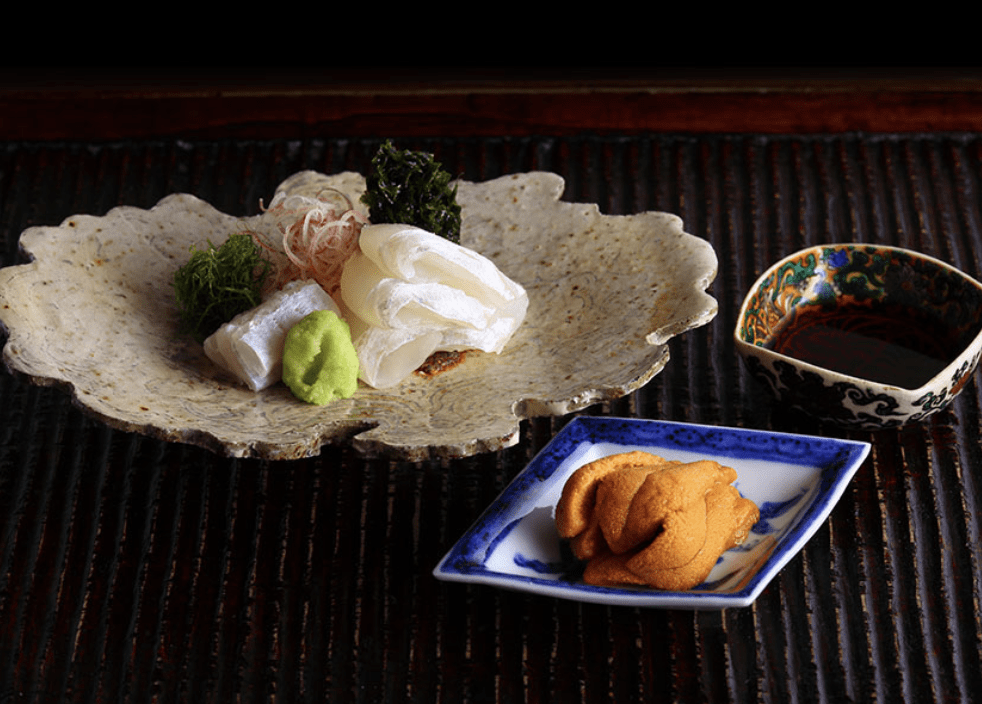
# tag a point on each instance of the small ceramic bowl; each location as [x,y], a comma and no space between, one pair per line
[862,336]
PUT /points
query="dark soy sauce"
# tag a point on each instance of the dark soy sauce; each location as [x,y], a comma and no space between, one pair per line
[885,345]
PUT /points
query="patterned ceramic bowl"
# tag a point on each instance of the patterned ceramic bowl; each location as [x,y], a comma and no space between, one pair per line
[862,336]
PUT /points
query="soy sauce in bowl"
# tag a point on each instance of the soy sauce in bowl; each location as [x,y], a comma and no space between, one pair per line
[861,335]
[885,344]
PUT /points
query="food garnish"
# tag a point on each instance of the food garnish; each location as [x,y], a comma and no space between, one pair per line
[320,364]
[218,283]
[313,237]
[441,361]
[638,519]
[411,188]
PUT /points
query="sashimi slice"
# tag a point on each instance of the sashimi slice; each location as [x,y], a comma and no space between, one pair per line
[384,301]
[250,346]
[410,293]
[386,356]
[413,254]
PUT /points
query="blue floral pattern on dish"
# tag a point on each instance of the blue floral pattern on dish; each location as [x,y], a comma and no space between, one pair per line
[794,479]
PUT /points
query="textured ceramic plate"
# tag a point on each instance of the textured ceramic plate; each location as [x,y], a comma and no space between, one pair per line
[93,312]
[795,480]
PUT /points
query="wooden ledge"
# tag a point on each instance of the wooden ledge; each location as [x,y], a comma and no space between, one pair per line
[211,104]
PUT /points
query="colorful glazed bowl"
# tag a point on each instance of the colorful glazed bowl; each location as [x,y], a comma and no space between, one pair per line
[862,336]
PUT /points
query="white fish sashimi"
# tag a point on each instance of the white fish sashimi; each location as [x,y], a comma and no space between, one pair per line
[413,254]
[490,339]
[250,346]
[384,301]
[386,356]
[416,293]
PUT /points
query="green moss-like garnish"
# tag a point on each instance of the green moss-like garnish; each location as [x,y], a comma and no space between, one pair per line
[410,188]
[218,283]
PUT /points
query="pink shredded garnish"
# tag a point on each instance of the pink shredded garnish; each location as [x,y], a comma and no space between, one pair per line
[315,239]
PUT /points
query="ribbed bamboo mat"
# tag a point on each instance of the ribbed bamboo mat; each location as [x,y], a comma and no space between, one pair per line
[133,570]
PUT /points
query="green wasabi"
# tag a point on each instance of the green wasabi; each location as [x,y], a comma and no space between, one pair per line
[320,364]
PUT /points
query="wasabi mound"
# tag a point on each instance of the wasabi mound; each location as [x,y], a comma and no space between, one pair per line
[320,364]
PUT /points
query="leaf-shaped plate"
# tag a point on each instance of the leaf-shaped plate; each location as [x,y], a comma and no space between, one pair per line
[93,311]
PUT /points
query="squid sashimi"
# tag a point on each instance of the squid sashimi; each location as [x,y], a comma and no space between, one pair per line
[386,356]
[415,293]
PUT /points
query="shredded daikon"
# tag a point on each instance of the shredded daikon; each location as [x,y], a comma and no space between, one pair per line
[309,238]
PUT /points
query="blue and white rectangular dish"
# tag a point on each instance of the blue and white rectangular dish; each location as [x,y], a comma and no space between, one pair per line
[795,480]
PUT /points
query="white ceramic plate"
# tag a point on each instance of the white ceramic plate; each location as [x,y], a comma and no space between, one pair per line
[795,480]
[93,312]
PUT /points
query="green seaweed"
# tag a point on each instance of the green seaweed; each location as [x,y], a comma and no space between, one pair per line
[218,283]
[411,188]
